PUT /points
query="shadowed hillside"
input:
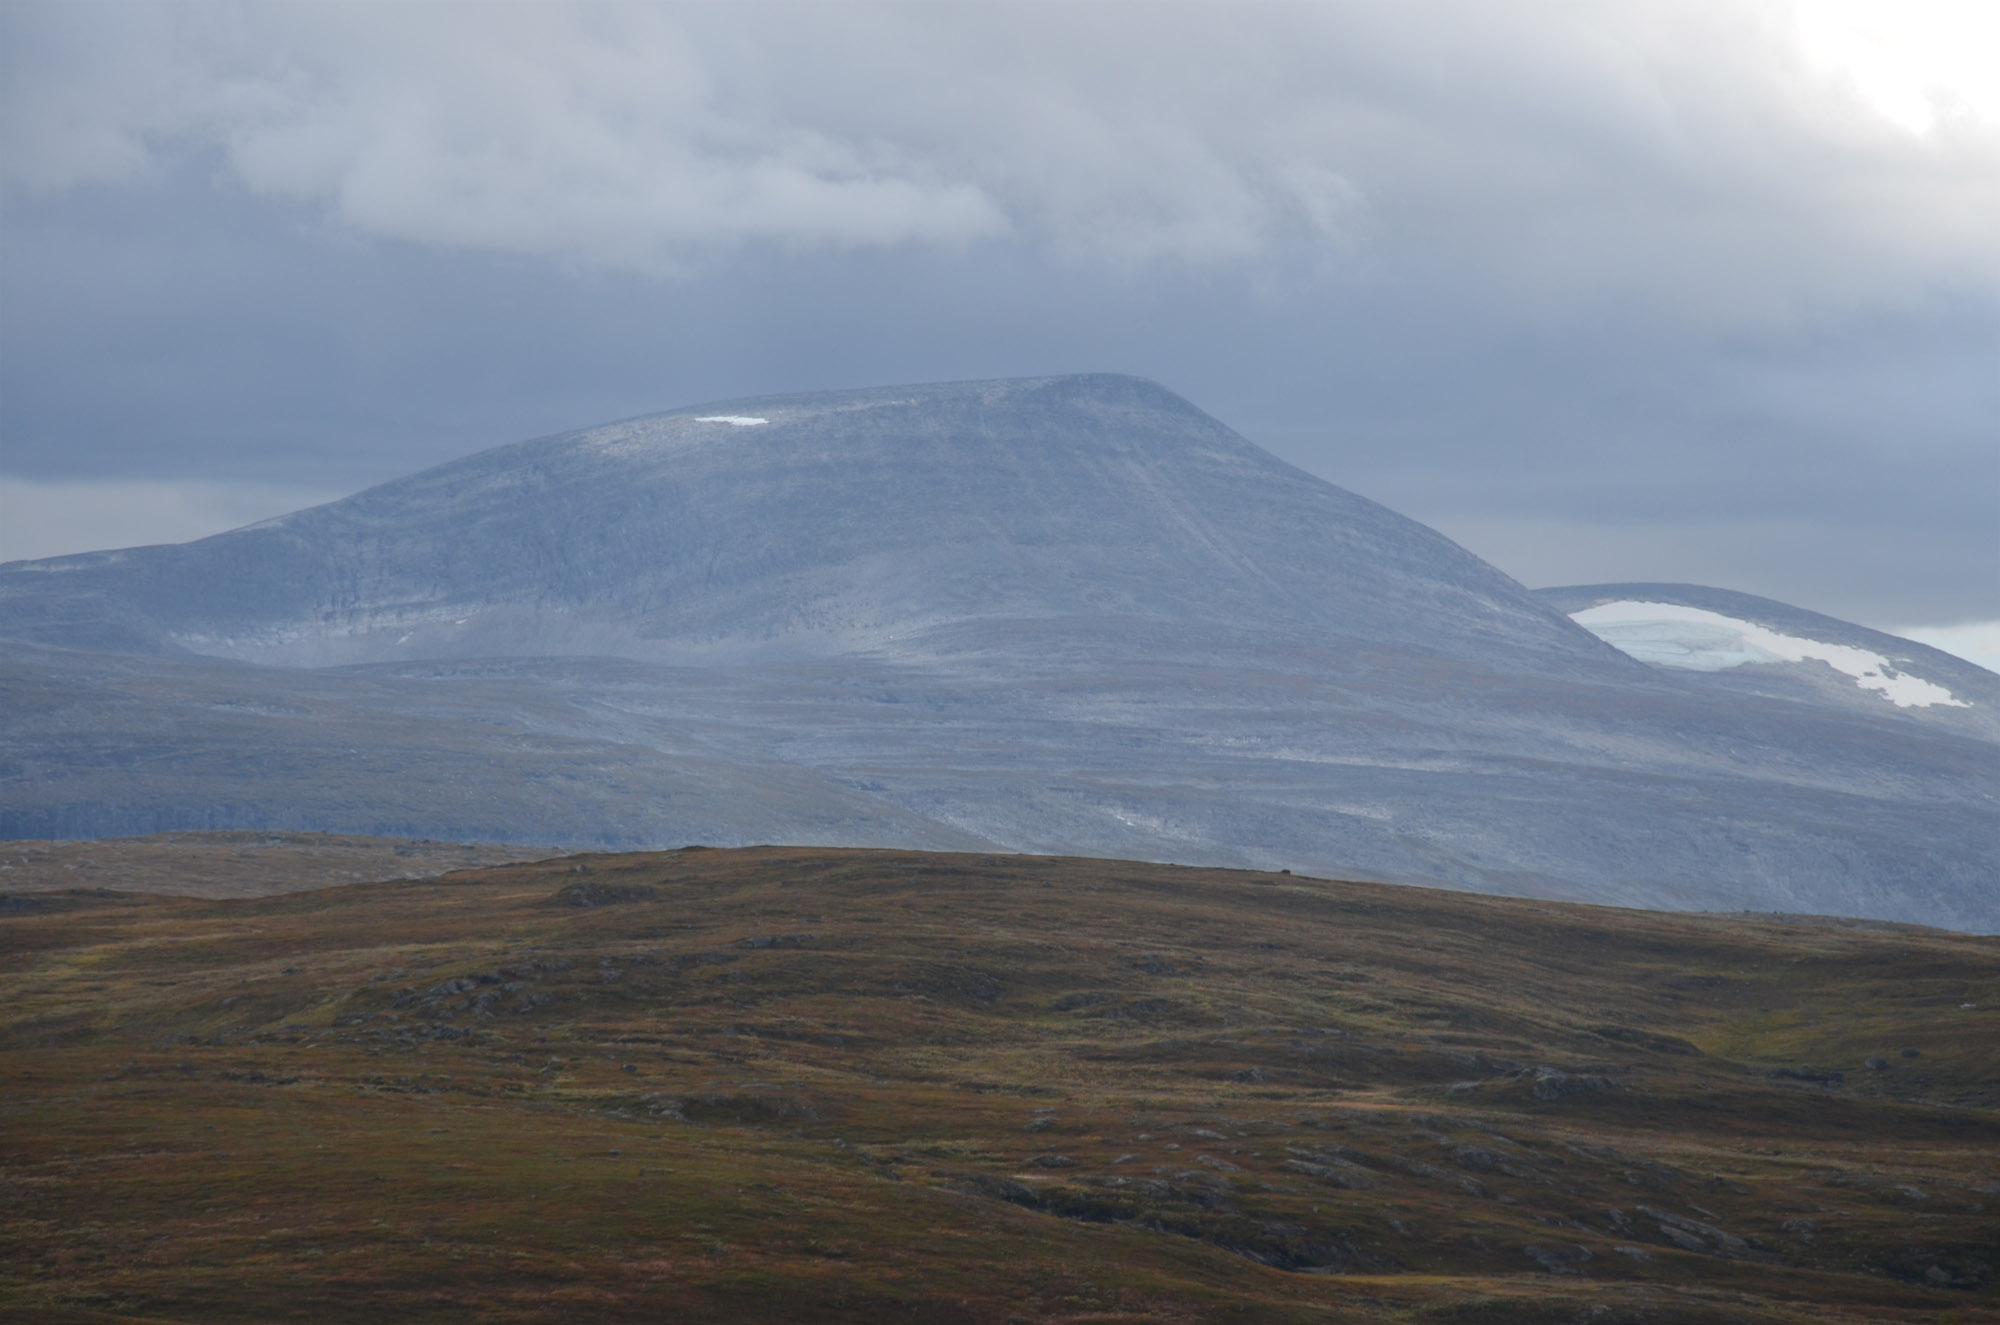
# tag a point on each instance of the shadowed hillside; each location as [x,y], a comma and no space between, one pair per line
[868,1085]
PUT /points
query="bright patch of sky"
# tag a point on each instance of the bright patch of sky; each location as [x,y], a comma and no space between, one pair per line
[55,519]
[738,420]
[1977,642]
[1913,62]
[1693,639]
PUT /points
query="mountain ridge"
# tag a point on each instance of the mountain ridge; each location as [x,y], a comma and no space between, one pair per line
[1714,646]
[1092,496]
[1066,615]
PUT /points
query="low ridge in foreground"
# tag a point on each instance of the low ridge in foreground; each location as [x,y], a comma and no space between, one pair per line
[818,1084]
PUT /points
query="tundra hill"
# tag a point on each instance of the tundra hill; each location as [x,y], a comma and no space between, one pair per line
[1066,615]
[217,865]
[871,1085]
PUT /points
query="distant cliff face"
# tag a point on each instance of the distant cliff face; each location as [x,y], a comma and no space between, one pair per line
[1070,615]
[812,525]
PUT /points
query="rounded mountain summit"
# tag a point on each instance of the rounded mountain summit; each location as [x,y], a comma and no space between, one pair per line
[948,517]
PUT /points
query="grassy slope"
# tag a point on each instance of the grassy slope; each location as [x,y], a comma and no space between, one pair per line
[238,864]
[812,1084]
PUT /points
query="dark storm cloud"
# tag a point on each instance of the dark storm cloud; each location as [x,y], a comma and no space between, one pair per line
[1609,291]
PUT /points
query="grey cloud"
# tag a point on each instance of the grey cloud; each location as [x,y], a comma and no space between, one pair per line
[1674,152]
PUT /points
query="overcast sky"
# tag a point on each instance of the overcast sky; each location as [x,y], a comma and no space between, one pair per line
[1605,289]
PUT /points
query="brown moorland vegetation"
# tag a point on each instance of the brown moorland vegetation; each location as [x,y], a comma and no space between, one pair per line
[811,1084]
[239,863]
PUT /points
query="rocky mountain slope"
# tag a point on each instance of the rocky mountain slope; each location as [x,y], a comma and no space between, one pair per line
[1069,614]
[851,522]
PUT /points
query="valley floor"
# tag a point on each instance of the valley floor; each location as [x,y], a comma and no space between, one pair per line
[811,1084]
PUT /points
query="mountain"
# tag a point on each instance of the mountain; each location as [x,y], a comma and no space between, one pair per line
[840,523]
[1760,646]
[1071,615]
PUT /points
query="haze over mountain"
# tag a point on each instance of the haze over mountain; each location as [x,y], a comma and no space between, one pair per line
[1058,614]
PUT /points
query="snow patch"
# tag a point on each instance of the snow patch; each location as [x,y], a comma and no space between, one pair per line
[736,420]
[1696,640]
